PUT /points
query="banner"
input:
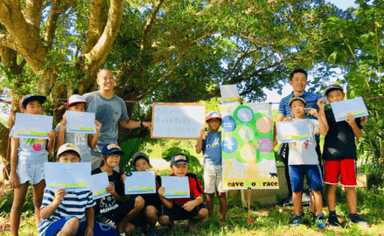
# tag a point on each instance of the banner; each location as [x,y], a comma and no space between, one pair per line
[248,158]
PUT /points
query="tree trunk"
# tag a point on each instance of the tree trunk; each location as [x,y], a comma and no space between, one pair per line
[3,151]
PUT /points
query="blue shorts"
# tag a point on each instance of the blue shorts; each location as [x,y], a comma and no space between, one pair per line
[313,174]
[178,212]
[98,228]
[31,173]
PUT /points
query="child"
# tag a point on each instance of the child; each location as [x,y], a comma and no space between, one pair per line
[28,156]
[115,210]
[191,208]
[303,161]
[210,144]
[82,141]
[152,207]
[62,212]
[339,157]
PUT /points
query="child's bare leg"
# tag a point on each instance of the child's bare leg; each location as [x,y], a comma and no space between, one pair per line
[139,205]
[165,221]
[297,204]
[151,215]
[130,228]
[202,214]
[210,197]
[350,195]
[223,206]
[38,192]
[331,196]
[17,206]
[318,202]
[312,204]
[70,227]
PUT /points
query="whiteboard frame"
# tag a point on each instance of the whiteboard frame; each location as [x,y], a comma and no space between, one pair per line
[174,104]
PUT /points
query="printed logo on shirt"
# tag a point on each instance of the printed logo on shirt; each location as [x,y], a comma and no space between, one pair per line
[215,144]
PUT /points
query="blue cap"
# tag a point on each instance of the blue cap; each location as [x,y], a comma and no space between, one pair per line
[331,88]
[111,149]
[179,158]
[31,97]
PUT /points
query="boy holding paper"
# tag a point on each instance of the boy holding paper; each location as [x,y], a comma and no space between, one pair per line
[210,144]
[192,208]
[62,212]
[339,157]
[303,161]
[82,141]
[115,210]
[28,156]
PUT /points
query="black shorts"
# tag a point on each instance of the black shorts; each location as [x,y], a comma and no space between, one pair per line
[118,214]
[178,212]
[140,219]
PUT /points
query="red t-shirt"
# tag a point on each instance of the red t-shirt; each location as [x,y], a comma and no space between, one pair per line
[195,190]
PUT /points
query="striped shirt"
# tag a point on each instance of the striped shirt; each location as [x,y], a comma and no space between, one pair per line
[74,204]
[310,98]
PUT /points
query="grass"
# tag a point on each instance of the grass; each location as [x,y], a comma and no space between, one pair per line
[271,220]
[155,147]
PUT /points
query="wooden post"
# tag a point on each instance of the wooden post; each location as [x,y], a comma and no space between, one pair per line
[250,221]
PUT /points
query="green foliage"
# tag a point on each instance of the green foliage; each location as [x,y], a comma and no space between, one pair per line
[129,147]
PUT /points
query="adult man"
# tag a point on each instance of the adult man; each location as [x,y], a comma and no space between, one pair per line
[109,110]
[298,81]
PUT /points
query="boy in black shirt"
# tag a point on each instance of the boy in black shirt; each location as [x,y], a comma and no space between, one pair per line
[339,156]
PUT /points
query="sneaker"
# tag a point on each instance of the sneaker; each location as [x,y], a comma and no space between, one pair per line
[296,220]
[355,219]
[333,221]
[320,221]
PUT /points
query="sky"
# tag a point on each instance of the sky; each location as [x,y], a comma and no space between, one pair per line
[273,96]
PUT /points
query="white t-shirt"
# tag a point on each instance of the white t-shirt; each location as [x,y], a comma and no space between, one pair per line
[304,152]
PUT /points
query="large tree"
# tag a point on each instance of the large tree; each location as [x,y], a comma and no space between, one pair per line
[159,50]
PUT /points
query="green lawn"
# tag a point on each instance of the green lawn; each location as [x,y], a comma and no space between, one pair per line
[271,220]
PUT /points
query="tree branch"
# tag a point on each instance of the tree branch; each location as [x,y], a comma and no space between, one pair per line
[54,14]
[147,26]
[96,24]
[32,12]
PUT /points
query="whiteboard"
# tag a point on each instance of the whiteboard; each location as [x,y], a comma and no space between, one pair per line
[177,120]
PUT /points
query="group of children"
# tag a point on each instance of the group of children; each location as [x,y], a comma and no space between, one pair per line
[61,212]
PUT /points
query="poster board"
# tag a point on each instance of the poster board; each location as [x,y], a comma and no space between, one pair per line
[175,187]
[292,131]
[80,122]
[229,93]
[247,155]
[99,185]
[140,182]
[70,176]
[355,106]
[32,126]
[177,120]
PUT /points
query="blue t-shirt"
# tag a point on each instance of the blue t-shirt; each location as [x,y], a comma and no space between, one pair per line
[109,112]
[211,148]
[310,98]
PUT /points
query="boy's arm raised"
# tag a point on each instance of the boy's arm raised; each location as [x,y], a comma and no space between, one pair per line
[51,139]
[14,178]
[200,140]
[60,138]
[47,211]
[92,139]
[352,122]
[166,203]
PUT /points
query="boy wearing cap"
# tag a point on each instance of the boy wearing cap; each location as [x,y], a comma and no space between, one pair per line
[28,156]
[210,144]
[82,141]
[303,161]
[152,203]
[115,210]
[340,155]
[63,212]
[193,208]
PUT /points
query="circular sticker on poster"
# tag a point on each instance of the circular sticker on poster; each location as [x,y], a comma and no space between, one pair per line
[248,152]
[264,125]
[244,114]
[229,144]
[228,124]
[264,145]
[246,133]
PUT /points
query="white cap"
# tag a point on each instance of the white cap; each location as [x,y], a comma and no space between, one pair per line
[76,98]
[68,147]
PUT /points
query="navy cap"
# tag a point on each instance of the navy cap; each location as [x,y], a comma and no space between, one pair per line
[331,88]
[179,158]
[111,149]
[31,97]
[139,155]
[294,98]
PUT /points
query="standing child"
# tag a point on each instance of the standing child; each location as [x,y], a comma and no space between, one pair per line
[82,141]
[339,157]
[28,156]
[210,144]
[152,203]
[115,210]
[62,212]
[192,208]
[303,161]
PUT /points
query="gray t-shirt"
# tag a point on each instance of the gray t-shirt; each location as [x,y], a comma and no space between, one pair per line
[81,141]
[109,112]
[31,151]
